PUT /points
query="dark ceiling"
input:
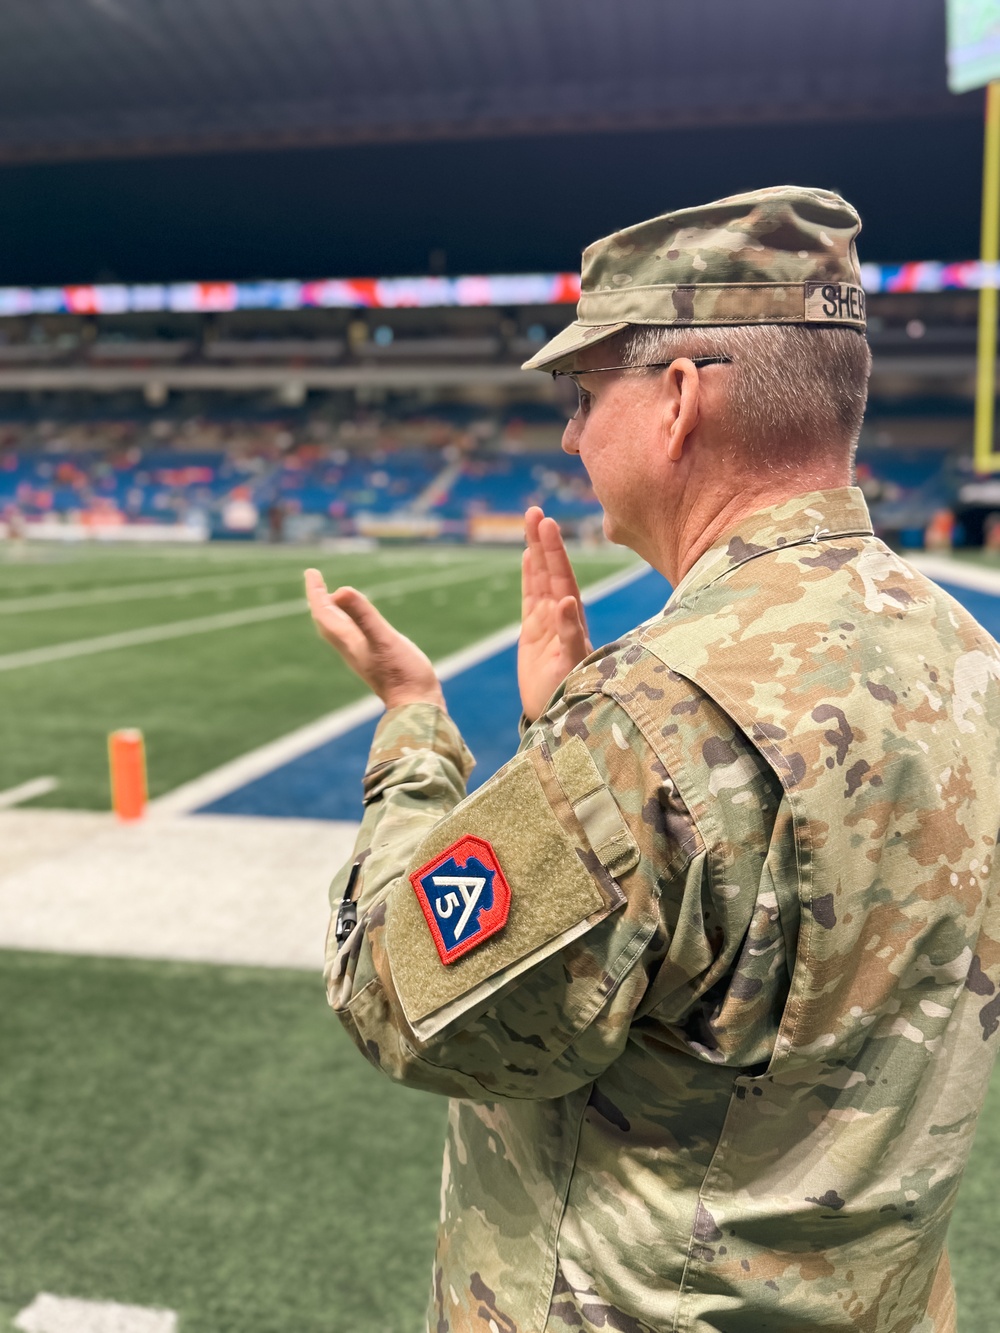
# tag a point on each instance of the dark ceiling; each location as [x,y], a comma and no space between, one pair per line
[100,78]
[148,140]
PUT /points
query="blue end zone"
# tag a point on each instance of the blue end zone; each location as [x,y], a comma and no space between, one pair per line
[325,783]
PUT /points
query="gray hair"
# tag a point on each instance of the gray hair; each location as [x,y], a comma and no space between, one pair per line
[796,393]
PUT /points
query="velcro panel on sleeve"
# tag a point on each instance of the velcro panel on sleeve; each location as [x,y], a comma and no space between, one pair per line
[595,807]
[558,890]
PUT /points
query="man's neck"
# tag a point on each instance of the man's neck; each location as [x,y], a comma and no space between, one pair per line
[711,516]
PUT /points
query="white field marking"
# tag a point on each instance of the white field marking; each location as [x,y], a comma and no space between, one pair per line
[179,629]
[943,570]
[211,888]
[27,791]
[229,777]
[130,592]
[64,1314]
[135,592]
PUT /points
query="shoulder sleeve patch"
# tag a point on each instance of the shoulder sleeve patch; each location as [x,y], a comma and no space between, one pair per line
[464,896]
[524,880]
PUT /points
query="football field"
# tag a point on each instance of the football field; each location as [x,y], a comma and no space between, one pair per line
[209,651]
[201,1138]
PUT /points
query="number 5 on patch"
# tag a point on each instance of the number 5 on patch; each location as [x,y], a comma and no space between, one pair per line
[464,896]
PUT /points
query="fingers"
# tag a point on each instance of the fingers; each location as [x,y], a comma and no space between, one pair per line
[320,604]
[571,627]
[372,624]
[529,597]
[553,573]
[539,573]
[332,623]
[547,574]
[315,584]
[344,610]
[562,580]
[390,665]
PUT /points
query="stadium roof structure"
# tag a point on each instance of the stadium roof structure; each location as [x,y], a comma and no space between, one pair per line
[105,78]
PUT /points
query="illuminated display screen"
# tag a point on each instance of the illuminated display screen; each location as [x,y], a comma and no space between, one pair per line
[973,43]
[398,293]
[323,293]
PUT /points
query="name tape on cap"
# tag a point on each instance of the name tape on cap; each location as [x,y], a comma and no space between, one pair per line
[834,302]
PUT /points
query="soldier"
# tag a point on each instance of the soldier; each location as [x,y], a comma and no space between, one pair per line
[710,969]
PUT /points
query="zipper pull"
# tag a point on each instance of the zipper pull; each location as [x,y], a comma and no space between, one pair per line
[347,912]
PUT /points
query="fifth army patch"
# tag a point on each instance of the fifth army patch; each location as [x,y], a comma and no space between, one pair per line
[463,895]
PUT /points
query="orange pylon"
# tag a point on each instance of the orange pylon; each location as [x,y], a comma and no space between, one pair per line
[127,755]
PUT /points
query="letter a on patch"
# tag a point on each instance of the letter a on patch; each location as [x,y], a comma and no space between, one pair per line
[463,895]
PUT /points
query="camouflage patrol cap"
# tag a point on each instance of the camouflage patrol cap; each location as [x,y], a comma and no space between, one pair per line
[783,255]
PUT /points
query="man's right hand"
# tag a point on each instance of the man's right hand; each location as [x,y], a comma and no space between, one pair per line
[553,624]
[391,665]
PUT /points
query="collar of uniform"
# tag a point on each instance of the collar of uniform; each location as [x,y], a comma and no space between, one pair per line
[814,517]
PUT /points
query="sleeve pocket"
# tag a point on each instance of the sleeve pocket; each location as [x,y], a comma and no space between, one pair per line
[559,839]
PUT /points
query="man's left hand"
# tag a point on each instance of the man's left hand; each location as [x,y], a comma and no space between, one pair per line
[553,622]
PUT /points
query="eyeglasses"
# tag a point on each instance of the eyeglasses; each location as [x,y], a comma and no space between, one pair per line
[581,404]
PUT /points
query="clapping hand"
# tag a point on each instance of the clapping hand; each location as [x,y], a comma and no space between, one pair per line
[553,624]
[389,663]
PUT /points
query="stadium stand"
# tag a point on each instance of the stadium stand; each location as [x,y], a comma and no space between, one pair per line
[308,423]
[112,472]
[305,475]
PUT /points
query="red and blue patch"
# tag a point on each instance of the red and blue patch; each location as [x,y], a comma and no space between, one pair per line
[464,896]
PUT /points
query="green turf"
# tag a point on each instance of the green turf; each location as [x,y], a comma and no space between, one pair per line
[975,555]
[206,1139]
[206,698]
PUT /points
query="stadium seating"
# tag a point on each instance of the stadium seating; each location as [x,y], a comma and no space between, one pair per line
[131,471]
[450,463]
[509,483]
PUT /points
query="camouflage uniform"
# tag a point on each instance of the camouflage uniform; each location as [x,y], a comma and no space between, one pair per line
[721,1068]
[717,1044]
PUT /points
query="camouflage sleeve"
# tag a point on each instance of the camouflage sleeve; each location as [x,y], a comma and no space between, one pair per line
[505,941]
[417,770]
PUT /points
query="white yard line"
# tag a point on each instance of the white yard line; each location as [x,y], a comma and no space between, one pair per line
[65,1314]
[133,638]
[179,629]
[133,592]
[248,767]
[136,592]
[27,791]
[944,570]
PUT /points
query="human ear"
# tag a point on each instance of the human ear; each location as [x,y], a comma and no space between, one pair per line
[683,407]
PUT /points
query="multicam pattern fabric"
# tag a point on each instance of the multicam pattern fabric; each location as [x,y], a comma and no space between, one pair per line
[784,255]
[736,1088]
